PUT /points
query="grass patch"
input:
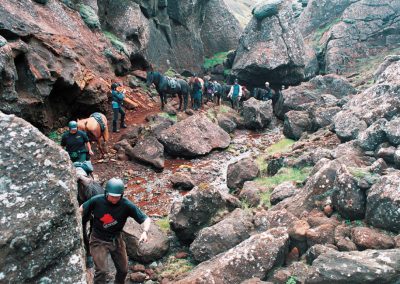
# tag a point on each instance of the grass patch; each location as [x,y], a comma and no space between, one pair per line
[285,174]
[358,173]
[169,116]
[171,73]
[227,72]
[266,198]
[164,224]
[176,267]
[116,42]
[224,109]
[262,164]
[292,280]
[217,59]
[281,146]
[55,136]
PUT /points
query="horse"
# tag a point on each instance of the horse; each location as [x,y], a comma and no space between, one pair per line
[96,127]
[165,85]
[191,82]
[217,90]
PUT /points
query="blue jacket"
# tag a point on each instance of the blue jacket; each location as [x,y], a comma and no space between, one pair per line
[117,99]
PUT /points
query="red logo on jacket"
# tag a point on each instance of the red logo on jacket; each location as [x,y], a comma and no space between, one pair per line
[108,220]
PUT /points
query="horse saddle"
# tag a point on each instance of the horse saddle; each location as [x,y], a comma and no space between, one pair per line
[172,83]
[97,117]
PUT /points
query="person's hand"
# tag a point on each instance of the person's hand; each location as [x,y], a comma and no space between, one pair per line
[143,237]
[91,153]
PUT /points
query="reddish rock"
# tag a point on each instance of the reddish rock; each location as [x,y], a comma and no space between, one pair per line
[328,210]
[298,230]
[150,272]
[316,221]
[182,181]
[181,254]
[240,172]
[343,238]
[397,241]
[138,277]
[138,268]
[292,256]
[368,238]
[265,220]
[323,234]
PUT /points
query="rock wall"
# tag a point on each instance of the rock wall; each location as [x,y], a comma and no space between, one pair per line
[40,227]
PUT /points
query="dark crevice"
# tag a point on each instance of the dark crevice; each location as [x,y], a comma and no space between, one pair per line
[24,85]
[138,61]
[8,35]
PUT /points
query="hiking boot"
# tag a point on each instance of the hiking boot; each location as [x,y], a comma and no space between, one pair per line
[123,125]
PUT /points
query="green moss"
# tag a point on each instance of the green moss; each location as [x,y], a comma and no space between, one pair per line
[319,33]
[292,280]
[116,42]
[55,136]
[262,164]
[281,146]
[171,73]
[89,16]
[227,72]
[224,109]
[266,198]
[164,224]
[169,116]
[176,267]
[358,173]
[217,59]
[283,175]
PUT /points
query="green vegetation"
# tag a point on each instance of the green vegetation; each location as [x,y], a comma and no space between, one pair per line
[292,280]
[266,198]
[116,42]
[281,146]
[89,16]
[227,72]
[224,109]
[262,164]
[169,116]
[358,173]
[164,224]
[171,73]
[285,174]
[319,33]
[55,136]
[217,59]
[175,267]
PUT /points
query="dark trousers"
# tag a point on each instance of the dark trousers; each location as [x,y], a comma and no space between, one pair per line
[235,103]
[100,250]
[118,111]
[82,157]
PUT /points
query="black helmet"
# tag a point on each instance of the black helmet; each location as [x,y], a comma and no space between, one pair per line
[72,125]
[115,187]
[114,86]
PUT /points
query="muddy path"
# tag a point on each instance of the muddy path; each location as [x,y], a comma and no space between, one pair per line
[152,191]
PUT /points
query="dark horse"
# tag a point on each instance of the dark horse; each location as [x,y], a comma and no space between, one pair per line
[165,85]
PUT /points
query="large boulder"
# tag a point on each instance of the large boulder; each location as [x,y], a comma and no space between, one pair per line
[383,202]
[296,123]
[240,172]
[259,254]
[194,136]
[271,47]
[373,136]
[377,266]
[149,151]
[229,232]
[368,238]
[41,228]
[348,126]
[156,247]
[283,191]
[392,131]
[257,114]
[197,210]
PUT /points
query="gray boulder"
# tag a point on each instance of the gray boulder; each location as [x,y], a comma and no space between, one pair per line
[257,114]
[271,47]
[383,203]
[392,131]
[348,199]
[377,266]
[41,227]
[348,126]
[182,181]
[259,254]
[197,209]
[296,123]
[194,136]
[373,136]
[283,191]
[149,151]
[156,247]
[229,232]
[265,220]
[240,172]
[322,116]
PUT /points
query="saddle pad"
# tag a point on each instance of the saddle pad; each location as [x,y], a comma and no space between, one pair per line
[172,83]
[97,117]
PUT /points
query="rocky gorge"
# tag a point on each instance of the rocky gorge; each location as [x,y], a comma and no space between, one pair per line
[303,188]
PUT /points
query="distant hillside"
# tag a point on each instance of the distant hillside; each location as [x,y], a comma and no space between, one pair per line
[241,9]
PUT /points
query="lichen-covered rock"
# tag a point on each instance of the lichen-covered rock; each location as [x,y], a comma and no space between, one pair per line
[265,220]
[194,136]
[182,181]
[296,123]
[316,250]
[257,114]
[149,151]
[270,47]
[373,136]
[156,247]
[259,254]
[229,232]
[240,172]
[40,223]
[392,131]
[197,209]
[378,266]
[348,126]
[368,238]
[383,203]
[282,191]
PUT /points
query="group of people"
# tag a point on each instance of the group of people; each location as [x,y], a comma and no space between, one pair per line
[108,212]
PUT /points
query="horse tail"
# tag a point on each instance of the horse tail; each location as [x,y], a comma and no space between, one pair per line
[106,134]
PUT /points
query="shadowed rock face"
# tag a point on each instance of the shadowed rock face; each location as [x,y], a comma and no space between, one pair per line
[271,48]
[40,227]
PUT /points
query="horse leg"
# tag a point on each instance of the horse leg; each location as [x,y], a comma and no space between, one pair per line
[162,100]
[100,147]
[180,101]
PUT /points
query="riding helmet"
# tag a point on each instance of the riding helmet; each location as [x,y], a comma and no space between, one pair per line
[115,187]
[115,85]
[72,125]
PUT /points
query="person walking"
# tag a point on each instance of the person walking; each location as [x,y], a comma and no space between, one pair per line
[117,102]
[76,143]
[235,94]
[110,212]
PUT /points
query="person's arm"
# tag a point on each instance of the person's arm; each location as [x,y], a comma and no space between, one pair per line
[87,142]
[85,210]
[141,218]
[63,141]
[146,228]
[230,92]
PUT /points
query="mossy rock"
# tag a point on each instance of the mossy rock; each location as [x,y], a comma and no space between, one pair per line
[116,42]
[44,2]
[266,10]
[69,3]
[3,41]
[89,16]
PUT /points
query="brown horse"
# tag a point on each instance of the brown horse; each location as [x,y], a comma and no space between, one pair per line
[93,129]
